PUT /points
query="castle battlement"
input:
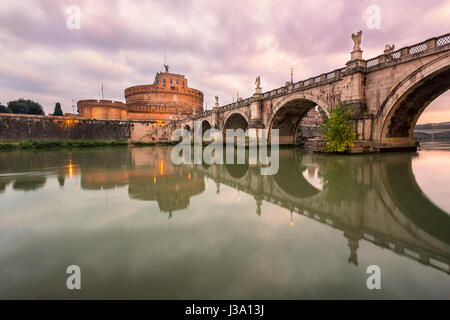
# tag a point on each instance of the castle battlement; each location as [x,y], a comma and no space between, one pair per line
[168,98]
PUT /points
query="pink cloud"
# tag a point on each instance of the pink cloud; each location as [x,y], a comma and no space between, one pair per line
[219,45]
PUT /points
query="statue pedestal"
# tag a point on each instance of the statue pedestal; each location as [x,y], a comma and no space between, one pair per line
[258,91]
[356,55]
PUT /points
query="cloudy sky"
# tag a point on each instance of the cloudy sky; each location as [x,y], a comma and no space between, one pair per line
[221,46]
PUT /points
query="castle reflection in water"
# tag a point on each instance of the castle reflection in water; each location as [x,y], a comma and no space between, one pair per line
[373,197]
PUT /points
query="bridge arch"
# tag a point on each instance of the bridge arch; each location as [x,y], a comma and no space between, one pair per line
[399,112]
[187,127]
[235,120]
[288,113]
[289,180]
[206,125]
[237,171]
[408,204]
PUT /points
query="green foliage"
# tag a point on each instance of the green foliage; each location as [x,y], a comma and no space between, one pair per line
[49,144]
[339,130]
[23,106]
[58,110]
[60,144]
[4,109]
[119,143]
[7,146]
[152,143]
[339,178]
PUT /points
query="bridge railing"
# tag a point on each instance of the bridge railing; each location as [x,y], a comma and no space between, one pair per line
[406,53]
[402,54]
[313,81]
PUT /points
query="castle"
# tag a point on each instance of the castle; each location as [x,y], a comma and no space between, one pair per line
[168,98]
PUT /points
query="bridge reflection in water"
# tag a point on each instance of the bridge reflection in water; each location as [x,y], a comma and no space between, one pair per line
[370,197]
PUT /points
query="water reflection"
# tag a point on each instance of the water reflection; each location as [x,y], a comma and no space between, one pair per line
[373,198]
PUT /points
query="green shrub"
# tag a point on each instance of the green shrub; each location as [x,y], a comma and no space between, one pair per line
[7,146]
[339,130]
[49,144]
[119,143]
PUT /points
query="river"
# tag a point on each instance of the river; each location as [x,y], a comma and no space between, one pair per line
[140,227]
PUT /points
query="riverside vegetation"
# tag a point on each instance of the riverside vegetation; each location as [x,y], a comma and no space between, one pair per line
[59,144]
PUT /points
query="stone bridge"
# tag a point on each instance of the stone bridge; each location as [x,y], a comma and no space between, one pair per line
[387,94]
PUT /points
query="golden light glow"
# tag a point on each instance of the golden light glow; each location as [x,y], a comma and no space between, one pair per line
[239,199]
[291,223]
[189,176]
[70,169]
[161,167]
[154,180]
[69,123]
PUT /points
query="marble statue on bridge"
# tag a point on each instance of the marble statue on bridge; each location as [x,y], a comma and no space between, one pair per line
[258,82]
[389,48]
[356,40]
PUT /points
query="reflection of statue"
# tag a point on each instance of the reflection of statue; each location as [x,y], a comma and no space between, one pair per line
[356,40]
[389,49]
[258,82]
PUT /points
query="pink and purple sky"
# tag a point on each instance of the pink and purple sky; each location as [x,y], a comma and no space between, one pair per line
[220,45]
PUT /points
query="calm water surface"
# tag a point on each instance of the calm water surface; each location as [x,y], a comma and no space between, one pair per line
[140,227]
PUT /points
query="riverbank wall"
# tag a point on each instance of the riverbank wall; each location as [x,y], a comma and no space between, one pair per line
[18,127]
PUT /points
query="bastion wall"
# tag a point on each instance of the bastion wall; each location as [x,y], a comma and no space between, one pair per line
[31,127]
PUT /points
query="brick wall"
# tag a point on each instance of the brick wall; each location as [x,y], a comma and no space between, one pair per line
[25,127]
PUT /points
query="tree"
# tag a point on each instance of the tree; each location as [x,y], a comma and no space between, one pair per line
[23,106]
[58,110]
[4,109]
[339,130]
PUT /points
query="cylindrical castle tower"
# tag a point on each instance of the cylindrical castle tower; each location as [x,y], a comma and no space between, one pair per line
[168,98]
[102,109]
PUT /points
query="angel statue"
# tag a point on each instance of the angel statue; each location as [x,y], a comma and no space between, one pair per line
[217,99]
[258,82]
[356,40]
[388,49]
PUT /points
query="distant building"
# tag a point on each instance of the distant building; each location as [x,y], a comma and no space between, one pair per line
[311,123]
[312,119]
[168,98]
